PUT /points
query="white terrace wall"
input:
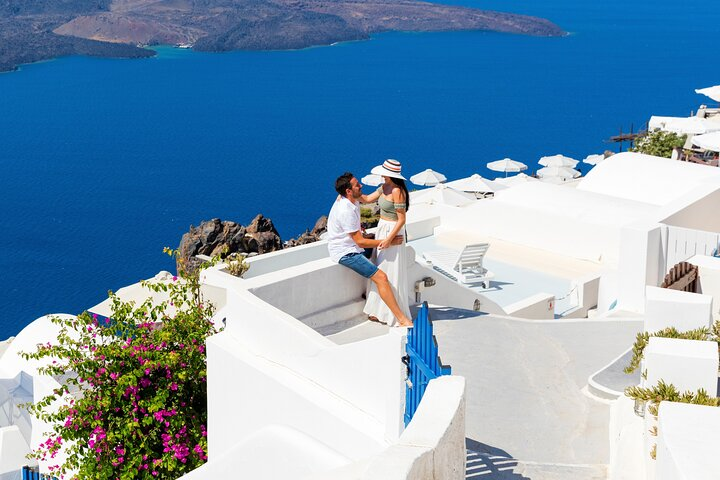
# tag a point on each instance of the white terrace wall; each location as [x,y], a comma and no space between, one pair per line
[276,261]
[356,372]
[673,308]
[432,448]
[688,442]
[20,382]
[269,374]
[709,279]
[683,243]
[642,262]
[447,292]
[318,293]
[583,225]
[645,178]
[697,211]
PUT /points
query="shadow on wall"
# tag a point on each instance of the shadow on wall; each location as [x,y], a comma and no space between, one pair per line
[489,463]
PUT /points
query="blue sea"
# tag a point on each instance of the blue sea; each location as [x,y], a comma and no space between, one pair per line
[103,162]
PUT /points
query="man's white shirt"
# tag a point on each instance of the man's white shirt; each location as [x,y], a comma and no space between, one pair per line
[343,220]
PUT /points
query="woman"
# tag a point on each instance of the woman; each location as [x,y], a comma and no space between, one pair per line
[393,198]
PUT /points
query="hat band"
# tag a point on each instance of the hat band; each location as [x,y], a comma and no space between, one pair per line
[392,166]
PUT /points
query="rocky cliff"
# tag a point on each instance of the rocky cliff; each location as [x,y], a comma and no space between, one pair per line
[214,237]
[40,29]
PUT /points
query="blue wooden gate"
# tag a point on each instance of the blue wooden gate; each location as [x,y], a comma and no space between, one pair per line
[423,363]
[32,473]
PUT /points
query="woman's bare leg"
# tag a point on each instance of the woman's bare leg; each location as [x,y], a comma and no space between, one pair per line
[386,293]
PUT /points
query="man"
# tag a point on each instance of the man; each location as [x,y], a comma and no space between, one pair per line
[346,243]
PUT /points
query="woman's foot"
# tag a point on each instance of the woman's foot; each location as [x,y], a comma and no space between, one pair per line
[404,322]
[373,318]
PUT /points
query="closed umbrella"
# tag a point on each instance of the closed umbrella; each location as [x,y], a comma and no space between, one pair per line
[443,195]
[559,172]
[594,159]
[506,165]
[474,183]
[712,92]
[708,141]
[558,161]
[372,180]
[428,178]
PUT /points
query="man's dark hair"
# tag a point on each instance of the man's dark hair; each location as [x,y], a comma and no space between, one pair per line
[342,184]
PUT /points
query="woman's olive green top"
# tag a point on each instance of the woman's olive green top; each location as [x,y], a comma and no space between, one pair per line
[388,209]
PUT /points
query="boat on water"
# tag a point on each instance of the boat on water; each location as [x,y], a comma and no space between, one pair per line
[184,45]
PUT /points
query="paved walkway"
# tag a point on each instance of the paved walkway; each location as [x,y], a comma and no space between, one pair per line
[527,415]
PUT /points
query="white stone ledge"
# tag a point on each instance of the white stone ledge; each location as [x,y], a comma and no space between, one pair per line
[673,308]
[688,442]
[540,306]
[687,364]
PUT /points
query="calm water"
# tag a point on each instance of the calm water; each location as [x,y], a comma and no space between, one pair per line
[103,162]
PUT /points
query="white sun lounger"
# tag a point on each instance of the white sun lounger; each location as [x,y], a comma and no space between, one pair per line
[465,266]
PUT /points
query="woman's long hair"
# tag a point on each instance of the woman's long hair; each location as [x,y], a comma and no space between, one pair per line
[401,183]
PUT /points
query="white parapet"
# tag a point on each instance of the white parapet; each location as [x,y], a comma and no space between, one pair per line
[13,449]
[540,306]
[672,308]
[626,441]
[431,448]
[639,263]
[687,364]
[709,279]
[688,442]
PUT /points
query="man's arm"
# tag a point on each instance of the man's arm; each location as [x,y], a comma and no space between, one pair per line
[363,242]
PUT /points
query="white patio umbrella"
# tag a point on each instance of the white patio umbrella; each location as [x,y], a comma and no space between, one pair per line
[712,92]
[372,180]
[474,183]
[443,195]
[708,141]
[594,159]
[506,165]
[560,172]
[428,178]
[691,125]
[558,161]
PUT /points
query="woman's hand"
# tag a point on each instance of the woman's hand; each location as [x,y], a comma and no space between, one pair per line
[386,243]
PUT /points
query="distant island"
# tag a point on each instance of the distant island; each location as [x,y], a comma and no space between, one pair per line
[37,30]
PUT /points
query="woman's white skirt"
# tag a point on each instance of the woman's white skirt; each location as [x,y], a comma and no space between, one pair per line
[392,261]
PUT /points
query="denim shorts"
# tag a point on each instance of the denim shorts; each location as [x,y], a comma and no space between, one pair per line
[358,263]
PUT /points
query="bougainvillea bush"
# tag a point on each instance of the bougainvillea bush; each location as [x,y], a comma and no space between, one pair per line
[133,402]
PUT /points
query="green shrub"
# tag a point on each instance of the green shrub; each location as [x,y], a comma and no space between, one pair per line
[133,403]
[658,143]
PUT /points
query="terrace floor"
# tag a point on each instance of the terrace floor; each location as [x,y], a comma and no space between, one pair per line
[528,415]
[520,272]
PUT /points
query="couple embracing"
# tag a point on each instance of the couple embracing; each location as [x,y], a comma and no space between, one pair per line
[387,296]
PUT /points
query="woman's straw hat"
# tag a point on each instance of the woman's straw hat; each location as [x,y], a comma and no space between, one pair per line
[390,168]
